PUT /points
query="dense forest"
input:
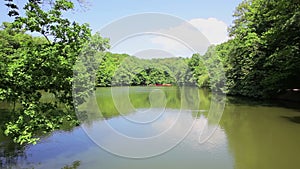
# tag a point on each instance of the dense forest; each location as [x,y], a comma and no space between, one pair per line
[261,60]
[124,70]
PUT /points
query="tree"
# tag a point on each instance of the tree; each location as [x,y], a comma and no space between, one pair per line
[107,68]
[41,65]
[197,74]
[263,56]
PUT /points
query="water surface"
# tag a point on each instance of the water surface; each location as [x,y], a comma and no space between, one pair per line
[250,135]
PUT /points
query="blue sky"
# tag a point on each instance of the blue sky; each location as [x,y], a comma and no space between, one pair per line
[103,12]
[211,17]
[100,13]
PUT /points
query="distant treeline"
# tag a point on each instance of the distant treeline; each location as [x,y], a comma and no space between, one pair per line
[125,70]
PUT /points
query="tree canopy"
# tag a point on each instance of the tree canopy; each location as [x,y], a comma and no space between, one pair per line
[34,66]
[262,59]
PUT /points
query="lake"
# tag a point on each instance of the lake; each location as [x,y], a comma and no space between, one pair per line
[168,128]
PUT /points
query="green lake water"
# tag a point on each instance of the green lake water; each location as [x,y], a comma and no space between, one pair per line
[168,128]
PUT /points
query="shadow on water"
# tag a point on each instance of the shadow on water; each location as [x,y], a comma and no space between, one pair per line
[74,165]
[10,153]
[262,134]
[295,119]
[266,103]
[13,155]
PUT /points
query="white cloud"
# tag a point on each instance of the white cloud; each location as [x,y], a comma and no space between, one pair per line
[214,29]
[172,45]
[181,39]
[191,34]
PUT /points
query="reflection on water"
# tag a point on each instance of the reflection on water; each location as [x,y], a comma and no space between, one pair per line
[260,138]
[248,136]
